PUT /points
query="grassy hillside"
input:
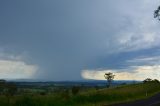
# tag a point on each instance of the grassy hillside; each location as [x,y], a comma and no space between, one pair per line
[91,97]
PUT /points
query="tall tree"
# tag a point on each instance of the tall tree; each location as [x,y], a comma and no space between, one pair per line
[109,77]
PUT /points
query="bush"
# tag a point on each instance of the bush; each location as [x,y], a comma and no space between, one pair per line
[150,80]
[156,81]
[75,90]
[147,80]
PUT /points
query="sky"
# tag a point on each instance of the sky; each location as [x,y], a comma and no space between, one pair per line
[72,40]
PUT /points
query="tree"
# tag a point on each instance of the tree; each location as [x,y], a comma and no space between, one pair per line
[156,81]
[147,80]
[157,13]
[109,76]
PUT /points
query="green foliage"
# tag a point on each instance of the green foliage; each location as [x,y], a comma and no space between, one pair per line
[25,101]
[2,86]
[11,89]
[109,76]
[156,81]
[148,80]
[65,94]
[75,90]
[119,94]
[7,88]
[91,97]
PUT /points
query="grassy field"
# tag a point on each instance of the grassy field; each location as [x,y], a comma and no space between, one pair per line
[91,97]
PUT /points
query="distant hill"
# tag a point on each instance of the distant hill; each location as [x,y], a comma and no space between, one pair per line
[70,83]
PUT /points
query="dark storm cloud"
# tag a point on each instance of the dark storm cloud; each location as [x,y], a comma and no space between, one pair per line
[65,37]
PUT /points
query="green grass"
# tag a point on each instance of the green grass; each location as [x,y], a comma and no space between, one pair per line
[91,97]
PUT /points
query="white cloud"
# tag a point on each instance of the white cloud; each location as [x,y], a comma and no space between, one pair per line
[139,30]
[14,67]
[134,73]
[124,26]
[11,69]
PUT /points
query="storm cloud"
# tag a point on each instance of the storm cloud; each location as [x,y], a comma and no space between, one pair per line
[63,38]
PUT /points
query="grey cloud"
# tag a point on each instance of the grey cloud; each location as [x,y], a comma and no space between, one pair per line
[65,37]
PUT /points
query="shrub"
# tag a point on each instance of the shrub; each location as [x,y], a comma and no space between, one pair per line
[75,90]
[156,81]
[150,80]
[147,80]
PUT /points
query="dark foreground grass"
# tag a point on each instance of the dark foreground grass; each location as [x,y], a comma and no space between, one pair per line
[90,98]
